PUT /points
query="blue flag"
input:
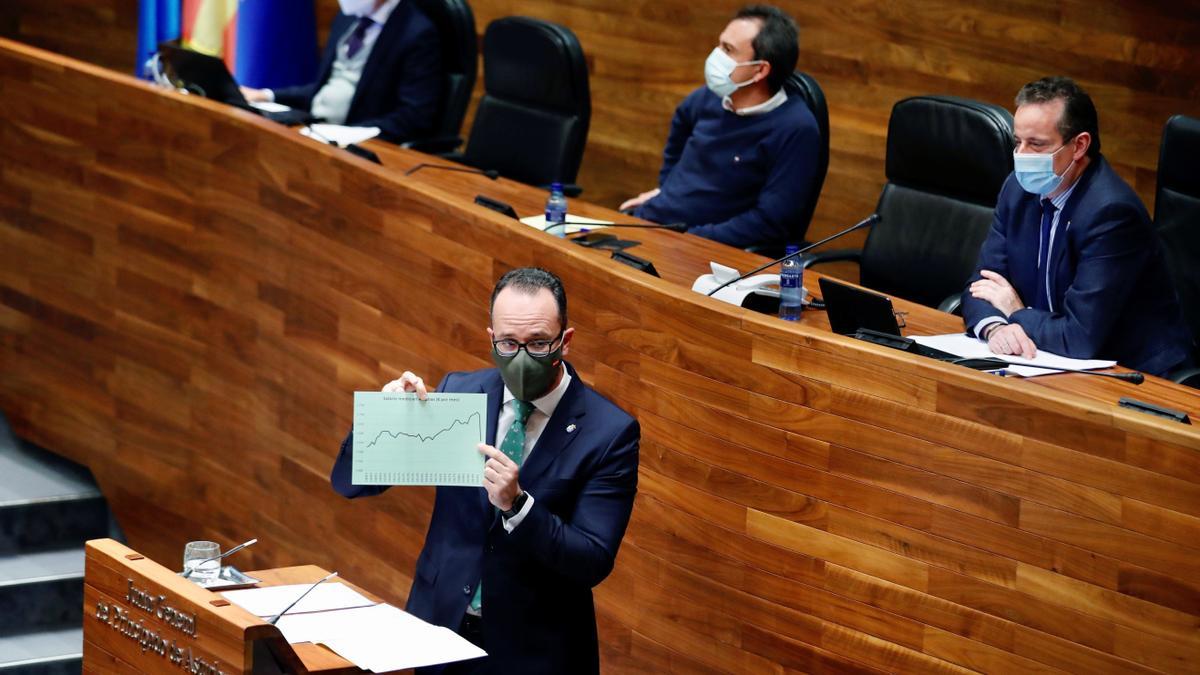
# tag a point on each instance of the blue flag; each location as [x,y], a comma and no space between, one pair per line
[158,21]
[276,43]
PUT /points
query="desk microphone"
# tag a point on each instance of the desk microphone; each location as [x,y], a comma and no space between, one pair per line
[275,618]
[865,222]
[490,173]
[1001,365]
[674,227]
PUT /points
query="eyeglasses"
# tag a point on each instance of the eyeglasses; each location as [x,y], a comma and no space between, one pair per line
[536,348]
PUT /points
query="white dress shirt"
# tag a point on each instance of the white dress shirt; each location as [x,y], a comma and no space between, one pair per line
[543,409]
[766,106]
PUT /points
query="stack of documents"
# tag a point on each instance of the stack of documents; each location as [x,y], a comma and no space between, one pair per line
[539,221]
[968,347]
[338,134]
[374,636]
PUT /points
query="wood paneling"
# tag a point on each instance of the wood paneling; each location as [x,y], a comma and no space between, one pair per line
[1140,61]
[189,295]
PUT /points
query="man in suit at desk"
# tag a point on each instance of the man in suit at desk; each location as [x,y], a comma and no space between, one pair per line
[1071,264]
[511,565]
[381,68]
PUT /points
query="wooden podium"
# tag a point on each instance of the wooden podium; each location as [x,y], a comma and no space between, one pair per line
[139,616]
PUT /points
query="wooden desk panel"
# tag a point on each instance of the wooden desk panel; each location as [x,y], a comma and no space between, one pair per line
[189,295]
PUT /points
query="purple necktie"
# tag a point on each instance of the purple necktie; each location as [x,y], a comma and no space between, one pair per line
[355,44]
[1041,298]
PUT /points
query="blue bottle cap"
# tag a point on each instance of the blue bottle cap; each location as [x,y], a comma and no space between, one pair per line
[556,187]
[790,249]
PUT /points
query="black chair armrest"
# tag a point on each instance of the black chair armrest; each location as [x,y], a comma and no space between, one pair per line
[952,304]
[1188,377]
[832,255]
[441,145]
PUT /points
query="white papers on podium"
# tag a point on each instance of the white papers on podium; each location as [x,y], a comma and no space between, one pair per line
[339,134]
[539,221]
[271,600]
[379,638]
[971,348]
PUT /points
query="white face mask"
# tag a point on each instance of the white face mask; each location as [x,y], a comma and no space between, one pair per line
[717,70]
[357,7]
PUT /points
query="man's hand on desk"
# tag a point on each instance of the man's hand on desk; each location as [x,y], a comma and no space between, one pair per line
[408,383]
[638,200]
[1010,338]
[996,290]
[256,95]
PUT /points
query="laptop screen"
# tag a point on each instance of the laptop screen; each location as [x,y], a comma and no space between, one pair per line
[850,308]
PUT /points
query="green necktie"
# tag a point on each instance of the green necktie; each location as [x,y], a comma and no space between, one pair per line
[513,446]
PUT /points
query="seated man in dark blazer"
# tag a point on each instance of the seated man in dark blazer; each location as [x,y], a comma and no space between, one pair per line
[511,565]
[381,68]
[741,153]
[1071,264]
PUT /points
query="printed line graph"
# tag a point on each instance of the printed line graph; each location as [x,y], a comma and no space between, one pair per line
[425,439]
[400,440]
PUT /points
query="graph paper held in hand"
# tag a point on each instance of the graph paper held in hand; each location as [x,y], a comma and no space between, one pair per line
[400,440]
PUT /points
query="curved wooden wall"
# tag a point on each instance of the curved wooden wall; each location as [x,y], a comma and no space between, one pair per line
[1139,59]
[189,295]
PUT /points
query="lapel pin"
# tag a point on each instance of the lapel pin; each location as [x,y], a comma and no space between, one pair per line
[570,428]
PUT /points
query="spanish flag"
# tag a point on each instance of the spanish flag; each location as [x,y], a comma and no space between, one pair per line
[210,26]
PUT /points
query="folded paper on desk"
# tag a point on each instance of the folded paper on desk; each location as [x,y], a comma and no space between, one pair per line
[341,135]
[968,347]
[379,638]
[272,600]
[539,221]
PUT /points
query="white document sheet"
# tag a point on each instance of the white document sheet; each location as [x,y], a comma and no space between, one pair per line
[539,221]
[972,348]
[271,600]
[269,106]
[339,134]
[379,638]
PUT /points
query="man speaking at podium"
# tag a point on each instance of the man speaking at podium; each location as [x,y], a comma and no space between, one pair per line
[511,565]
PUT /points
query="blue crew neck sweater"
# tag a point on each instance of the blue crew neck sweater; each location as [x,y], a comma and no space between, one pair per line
[740,180]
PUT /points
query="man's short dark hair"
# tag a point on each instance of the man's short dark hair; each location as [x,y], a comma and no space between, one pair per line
[777,42]
[530,280]
[1079,113]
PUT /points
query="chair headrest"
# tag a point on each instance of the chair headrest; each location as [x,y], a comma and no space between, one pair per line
[1179,157]
[951,146]
[535,61]
[456,25]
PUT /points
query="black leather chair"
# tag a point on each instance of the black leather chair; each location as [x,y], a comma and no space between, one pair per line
[803,85]
[532,121]
[1177,220]
[947,158]
[460,57]
[806,87]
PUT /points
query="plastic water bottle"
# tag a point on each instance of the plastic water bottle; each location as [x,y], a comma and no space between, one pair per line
[556,210]
[791,287]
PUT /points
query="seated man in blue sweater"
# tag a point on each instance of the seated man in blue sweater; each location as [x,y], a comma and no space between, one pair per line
[741,153]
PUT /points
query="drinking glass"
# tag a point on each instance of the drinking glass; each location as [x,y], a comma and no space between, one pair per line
[196,561]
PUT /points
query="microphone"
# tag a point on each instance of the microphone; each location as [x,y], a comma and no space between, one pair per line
[674,227]
[490,173]
[1001,364]
[865,222]
[188,572]
[275,618]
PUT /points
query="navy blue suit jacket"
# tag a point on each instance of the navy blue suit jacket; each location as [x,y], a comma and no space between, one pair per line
[401,85]
[1113,298]
[538,579]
